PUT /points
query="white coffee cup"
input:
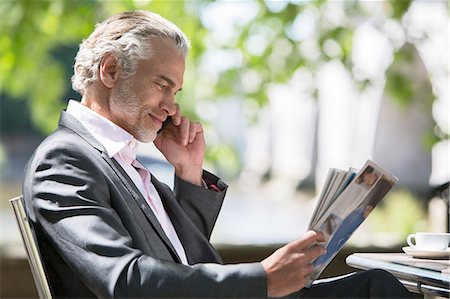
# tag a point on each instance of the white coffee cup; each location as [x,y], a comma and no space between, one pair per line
[429,241]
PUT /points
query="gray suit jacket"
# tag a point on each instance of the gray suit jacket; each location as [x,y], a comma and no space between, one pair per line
[99,238]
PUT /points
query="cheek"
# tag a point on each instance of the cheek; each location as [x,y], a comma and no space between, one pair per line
[149,97]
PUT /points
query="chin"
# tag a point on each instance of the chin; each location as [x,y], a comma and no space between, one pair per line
[145,137]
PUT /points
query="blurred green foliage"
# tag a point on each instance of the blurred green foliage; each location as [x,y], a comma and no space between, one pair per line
[37,39]
[399,82]
[34,35]
[30,32]
[403,88]
[399,212]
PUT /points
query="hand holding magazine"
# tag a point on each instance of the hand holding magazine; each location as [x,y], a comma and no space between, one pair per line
[345,201]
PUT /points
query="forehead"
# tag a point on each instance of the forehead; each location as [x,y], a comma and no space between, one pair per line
[166,60]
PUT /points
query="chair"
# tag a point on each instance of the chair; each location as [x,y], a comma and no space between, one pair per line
[31,248]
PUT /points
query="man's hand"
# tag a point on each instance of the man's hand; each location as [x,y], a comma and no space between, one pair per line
[289,267]
[183,144]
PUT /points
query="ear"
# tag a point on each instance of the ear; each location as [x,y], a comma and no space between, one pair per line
[109,70]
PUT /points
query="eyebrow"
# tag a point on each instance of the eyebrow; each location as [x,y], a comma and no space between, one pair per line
[168,80]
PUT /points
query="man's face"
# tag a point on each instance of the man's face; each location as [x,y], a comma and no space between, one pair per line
[143,101]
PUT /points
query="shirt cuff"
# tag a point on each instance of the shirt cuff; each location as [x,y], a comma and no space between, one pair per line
[210,186]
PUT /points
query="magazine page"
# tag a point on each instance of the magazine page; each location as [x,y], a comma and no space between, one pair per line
[349,210]
[325,189]
[328,186]
[342,180]
[366,180]
[350,175]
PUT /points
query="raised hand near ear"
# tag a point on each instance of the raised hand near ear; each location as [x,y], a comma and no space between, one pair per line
[183,144]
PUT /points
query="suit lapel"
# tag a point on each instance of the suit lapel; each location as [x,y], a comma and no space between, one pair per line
[141,201]
[73,124]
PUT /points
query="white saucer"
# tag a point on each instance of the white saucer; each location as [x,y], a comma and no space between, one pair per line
[420,253]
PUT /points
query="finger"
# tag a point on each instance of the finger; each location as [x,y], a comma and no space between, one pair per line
[321,236]
[176,118]
[304,276]
[314,252]
[305,279]
[307,270]
[184,130]
[195,128]
[309,239]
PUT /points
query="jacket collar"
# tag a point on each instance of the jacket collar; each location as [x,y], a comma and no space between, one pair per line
[68,121]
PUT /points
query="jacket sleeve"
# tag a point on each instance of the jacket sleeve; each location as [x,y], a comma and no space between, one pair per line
[66,193]
[200,204]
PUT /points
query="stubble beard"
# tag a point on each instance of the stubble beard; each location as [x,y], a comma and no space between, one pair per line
[137,120]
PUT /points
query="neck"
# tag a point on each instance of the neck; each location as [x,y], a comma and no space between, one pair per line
[98,101]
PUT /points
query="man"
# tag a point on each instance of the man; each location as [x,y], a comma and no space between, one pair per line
[106,226]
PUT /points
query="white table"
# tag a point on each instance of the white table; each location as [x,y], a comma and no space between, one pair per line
[430,277]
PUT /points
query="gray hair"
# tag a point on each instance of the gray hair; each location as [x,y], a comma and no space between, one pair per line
[127,36]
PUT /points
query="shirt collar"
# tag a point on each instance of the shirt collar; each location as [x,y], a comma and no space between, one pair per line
[113,138]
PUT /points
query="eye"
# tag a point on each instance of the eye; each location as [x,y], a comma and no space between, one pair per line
[160,85]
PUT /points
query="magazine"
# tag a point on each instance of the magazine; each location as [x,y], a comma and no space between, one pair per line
[347,198]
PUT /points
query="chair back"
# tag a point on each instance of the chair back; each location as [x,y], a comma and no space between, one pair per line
[31,249]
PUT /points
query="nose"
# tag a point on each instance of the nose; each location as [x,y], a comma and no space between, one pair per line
[168,105]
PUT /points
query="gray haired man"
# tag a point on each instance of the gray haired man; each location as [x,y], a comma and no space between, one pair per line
[107,227]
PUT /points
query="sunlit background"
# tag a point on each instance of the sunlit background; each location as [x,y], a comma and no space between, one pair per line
[285,91]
